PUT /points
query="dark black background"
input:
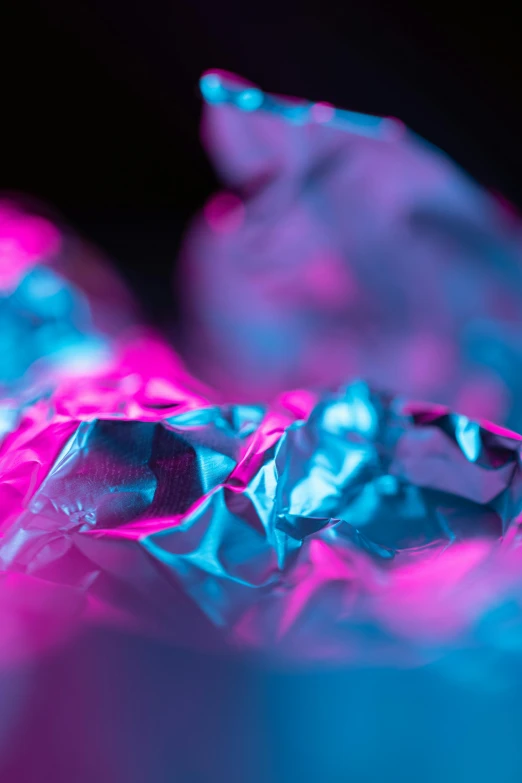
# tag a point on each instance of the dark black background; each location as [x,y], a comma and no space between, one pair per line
[100,107]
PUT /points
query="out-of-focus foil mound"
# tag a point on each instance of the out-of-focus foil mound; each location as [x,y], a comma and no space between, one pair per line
[61,304]
[345,246]
[348,532]
[68,324]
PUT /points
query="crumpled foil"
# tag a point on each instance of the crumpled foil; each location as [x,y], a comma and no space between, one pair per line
[145,524]
[339,527]
[356,530]
[319,524]
[346,246]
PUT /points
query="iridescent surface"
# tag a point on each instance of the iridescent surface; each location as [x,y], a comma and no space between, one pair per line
[345,246]
[289,531]
[324,585]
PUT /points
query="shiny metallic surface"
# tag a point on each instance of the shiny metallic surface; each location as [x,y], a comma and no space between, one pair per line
[280,527]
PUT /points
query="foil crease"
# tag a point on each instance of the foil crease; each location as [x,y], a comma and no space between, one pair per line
[288,531]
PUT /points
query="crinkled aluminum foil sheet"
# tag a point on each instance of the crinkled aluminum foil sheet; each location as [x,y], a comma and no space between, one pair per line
[364,530]
[335,523]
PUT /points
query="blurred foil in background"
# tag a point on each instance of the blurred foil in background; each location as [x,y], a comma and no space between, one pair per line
[344,247]
[67,321]
[61,303]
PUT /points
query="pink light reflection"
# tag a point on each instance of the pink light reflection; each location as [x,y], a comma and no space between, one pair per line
[329,282]
[224,213]
[484,396]
[24,240]
[322,112]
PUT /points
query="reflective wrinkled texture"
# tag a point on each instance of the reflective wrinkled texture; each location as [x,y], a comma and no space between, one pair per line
[340,528]
[346,247]
[334,526]
[290,532]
